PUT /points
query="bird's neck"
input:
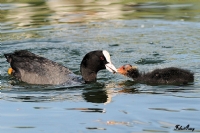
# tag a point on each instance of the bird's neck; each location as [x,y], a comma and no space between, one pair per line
[134,74]
[88,75]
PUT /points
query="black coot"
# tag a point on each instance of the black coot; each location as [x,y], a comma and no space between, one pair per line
[34,69]
[170,75]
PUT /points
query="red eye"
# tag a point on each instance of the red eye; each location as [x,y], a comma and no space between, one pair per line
[101,58]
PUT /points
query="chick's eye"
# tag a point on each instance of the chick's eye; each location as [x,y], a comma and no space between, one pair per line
[101,58]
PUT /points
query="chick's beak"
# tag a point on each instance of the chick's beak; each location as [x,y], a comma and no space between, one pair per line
[110,67]
[121,70]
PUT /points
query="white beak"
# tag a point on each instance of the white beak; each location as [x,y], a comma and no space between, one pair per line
[110,67]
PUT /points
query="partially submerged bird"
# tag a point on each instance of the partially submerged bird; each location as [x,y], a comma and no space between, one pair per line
[34,69]
[170,75]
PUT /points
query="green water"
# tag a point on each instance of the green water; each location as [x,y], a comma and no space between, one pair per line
[148,35]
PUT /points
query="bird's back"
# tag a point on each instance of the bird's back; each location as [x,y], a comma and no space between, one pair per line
[170,75]
[34,69]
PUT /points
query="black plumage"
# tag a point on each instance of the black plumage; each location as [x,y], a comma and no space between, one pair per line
[170,75]
[34,69]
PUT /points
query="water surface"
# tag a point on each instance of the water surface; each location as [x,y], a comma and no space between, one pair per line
[148,35]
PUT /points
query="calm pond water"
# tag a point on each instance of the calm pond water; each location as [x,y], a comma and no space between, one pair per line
[149,35]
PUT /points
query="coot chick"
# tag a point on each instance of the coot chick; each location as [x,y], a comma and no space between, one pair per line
[170,75]
[34,69]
